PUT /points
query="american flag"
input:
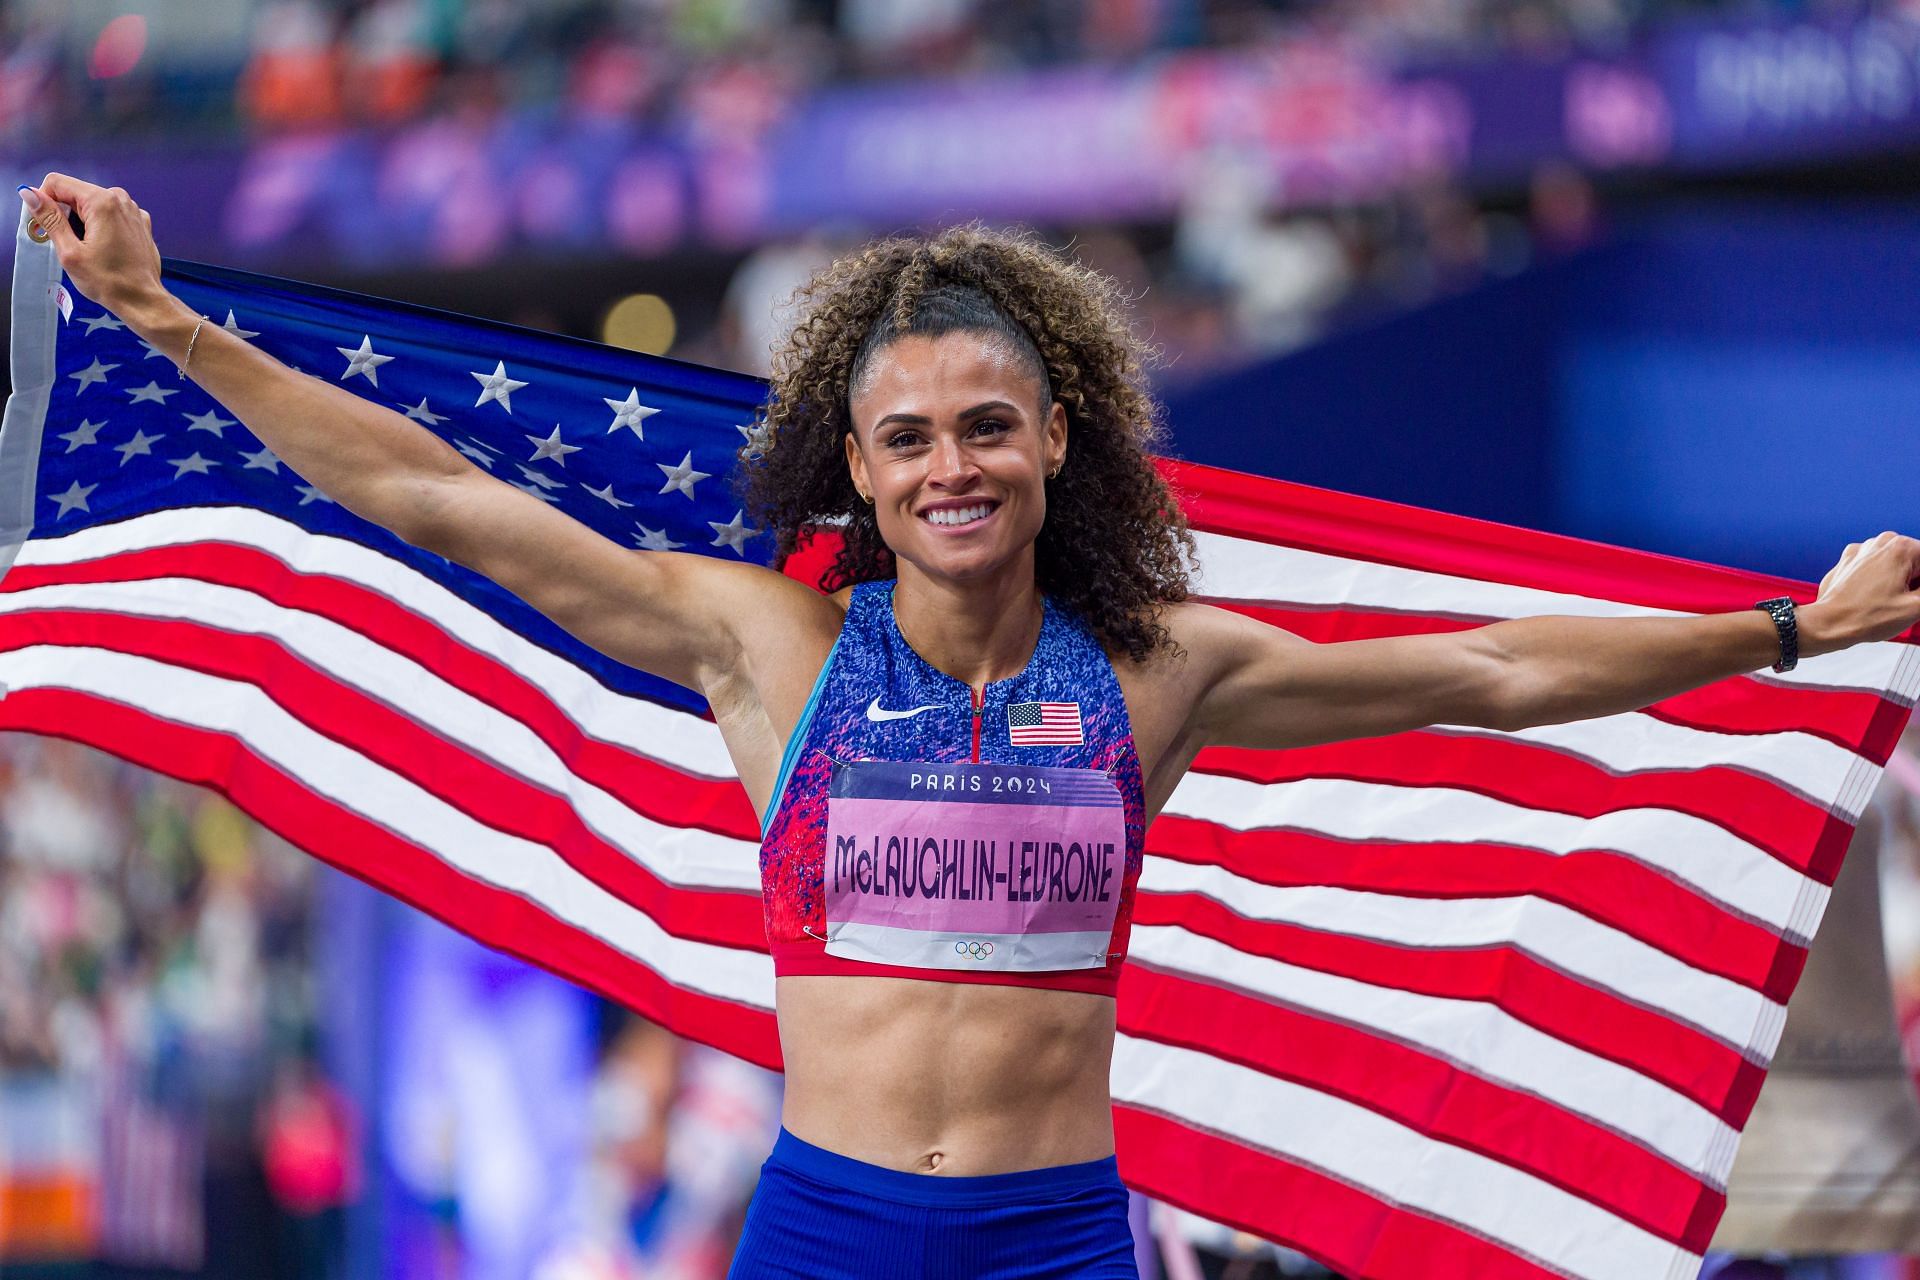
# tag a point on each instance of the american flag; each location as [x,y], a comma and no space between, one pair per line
[1447,1003]
[1044,724]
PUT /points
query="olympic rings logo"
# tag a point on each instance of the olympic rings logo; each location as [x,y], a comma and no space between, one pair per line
[974,950]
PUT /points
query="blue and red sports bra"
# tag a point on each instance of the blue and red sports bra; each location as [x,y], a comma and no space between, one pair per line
[920,830]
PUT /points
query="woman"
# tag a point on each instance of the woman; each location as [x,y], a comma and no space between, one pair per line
[1009,660]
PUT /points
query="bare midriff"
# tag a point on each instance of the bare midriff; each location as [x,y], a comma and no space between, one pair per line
[946,1077]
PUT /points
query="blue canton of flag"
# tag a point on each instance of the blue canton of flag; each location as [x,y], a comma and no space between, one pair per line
[640,448]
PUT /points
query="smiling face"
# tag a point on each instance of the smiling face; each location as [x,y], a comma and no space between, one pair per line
[952,443]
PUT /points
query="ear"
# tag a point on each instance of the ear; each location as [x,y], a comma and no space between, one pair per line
[1056,446]
[857,465]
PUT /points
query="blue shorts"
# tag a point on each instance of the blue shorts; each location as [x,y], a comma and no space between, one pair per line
[819,1215]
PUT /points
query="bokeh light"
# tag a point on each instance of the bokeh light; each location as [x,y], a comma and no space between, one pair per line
[639,322]
[119,47]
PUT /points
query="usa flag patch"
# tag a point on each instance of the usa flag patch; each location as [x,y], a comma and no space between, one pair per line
[1044,724]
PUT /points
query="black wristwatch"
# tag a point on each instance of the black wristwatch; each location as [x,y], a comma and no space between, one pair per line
[1780,609]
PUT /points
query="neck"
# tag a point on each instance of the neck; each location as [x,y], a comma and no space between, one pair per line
[980,630]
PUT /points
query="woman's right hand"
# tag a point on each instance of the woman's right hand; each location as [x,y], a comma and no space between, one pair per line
[117,263]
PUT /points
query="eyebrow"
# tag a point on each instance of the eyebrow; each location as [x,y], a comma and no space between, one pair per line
[921,420]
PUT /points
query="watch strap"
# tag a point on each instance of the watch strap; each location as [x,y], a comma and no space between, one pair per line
[1780,609]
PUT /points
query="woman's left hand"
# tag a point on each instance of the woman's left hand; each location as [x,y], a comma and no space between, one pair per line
[1869,595]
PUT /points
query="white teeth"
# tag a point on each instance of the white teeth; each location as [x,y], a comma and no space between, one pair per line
[959,515]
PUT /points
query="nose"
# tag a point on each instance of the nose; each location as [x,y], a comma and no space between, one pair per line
[950,466]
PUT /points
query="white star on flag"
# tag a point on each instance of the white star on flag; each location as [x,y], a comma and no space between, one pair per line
[193,462]
[363,361]
[732,534]
[539,493]
[140,442]
[311,494]
[606,495]
[153,352]
[95,372]
[152,391]
[551,447]
[759,438]
[629,413]
[75,496]
[655,539]
[104,320]
[232,326]
[475,454]
[497,386]
[207,422]
[83,434]
[266,460]
[682,476]
[420,413]
[545,482]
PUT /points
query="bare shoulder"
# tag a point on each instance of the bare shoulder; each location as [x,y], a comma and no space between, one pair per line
[1174,693]
[767,635]
[1206,643]
[1166,692]
[1213,633]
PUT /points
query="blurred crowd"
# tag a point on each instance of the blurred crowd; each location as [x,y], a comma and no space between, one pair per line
[700,65]
[1232,280]
[156,1019]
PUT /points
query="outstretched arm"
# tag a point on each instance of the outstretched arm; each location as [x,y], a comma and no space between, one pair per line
[687,618]
[1260,686]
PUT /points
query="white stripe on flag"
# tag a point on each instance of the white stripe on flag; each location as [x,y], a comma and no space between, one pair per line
[686,742]
[1243,569]
[1707,857]
[1477,1035]
[354,783]
[1389,1160]
[1579,946]
[681,855]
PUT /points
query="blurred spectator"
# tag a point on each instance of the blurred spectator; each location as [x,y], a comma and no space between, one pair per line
[293,77]
[310,1151]
[146,930]
[318,62]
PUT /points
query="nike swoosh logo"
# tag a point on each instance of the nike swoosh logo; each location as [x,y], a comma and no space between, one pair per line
[878,713]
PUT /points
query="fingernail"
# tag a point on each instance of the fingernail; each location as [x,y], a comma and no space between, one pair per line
[30,196]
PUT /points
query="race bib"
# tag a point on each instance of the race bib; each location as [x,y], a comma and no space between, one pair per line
[973,866]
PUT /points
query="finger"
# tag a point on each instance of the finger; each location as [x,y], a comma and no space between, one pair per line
[82,197]
[53,218]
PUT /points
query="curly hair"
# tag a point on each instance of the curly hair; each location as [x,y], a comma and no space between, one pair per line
[1115,544]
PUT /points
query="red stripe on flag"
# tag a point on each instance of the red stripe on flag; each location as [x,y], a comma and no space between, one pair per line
[1338,1225]
[1356,528]
[1686,1060]
[1427,1094]
[502,920]
[491,795]
[1800,834]
[1615,890]
[711,804]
